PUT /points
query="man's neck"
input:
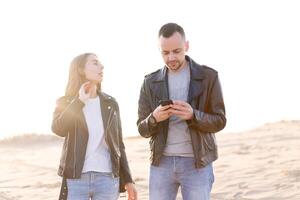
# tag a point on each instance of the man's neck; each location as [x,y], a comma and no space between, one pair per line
[184,65]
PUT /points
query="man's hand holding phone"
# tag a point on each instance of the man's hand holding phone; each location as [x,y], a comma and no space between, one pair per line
[162,112]
[182,110]
[165,102]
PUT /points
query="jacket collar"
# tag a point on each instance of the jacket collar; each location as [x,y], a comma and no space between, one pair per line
[196,71]
[197,76]
[107,104]
[104,97]
[108,107]
[160,81]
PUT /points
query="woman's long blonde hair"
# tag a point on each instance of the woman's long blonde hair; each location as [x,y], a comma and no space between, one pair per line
[77,75]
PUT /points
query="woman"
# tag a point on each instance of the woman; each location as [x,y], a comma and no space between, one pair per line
[93,162]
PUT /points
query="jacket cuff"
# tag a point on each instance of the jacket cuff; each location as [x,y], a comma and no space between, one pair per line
[124,181]
[151,125]
[192,123]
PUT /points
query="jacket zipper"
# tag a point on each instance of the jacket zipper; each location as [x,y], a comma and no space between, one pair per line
[109,119]
[107,127]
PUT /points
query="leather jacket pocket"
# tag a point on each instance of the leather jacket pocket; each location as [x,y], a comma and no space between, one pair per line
[206,142]
[209,141]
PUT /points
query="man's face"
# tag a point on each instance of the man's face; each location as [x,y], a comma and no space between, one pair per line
[173,51]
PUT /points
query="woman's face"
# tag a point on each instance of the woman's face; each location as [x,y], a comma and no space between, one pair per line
[93,69]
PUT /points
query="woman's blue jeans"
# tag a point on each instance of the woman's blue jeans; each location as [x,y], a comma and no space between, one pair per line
[94,186]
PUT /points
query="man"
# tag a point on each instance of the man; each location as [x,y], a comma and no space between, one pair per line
[182,142]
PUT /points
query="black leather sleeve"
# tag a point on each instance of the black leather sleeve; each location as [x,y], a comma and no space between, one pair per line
[64,115]
[144,112]
[214,120]
[125,174]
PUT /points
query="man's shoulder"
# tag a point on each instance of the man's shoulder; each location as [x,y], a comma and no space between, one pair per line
[204,71]
[204,68]
[152,74]
[209,69]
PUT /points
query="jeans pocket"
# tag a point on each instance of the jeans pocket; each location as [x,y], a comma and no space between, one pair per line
[109,182]
[114,186]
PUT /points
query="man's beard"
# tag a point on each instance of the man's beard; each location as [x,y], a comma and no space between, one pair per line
[174,65]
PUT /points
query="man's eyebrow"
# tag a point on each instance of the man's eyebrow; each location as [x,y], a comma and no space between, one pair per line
[172,50]
[177,49]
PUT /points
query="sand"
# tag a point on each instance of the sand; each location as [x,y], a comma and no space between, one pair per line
[263,163]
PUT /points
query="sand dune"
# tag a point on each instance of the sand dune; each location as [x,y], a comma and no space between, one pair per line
[263,163]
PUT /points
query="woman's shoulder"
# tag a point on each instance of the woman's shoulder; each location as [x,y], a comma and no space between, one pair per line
[108,98]
[64,100]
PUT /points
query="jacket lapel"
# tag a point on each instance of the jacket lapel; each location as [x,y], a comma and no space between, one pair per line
[108,107]
[159,85]
[160,82]
[82,122]
[104,109]
[197,75]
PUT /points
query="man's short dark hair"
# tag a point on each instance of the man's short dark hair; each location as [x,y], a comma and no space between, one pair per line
[169,29]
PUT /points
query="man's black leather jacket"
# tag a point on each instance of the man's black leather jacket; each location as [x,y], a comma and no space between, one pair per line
[205,97]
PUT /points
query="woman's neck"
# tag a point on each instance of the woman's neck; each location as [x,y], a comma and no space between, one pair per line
[93,92]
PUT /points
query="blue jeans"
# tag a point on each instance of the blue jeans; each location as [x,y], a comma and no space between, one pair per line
[95,186]
[175,171]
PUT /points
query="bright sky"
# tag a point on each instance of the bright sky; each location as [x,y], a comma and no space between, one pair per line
[255,46]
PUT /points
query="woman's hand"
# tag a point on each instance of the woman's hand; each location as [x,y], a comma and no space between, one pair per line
[131,191]
[85,91]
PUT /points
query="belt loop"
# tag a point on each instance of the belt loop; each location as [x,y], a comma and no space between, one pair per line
[91,176]
[174,163]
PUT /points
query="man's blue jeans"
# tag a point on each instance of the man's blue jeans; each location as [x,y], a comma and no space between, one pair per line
[175,171]
[95,186]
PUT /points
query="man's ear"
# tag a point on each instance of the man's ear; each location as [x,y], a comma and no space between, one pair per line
[187,45]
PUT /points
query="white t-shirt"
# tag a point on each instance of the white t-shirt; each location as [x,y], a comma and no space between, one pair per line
[97,157]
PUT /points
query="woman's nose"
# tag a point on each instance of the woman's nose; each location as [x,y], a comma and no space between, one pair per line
[99,66]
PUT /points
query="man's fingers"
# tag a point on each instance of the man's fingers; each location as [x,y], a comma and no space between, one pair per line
[182,104]
[178,112]
[164,108]
[178,102]
[179,107]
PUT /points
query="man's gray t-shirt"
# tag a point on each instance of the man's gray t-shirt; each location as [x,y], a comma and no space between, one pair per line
[179,139]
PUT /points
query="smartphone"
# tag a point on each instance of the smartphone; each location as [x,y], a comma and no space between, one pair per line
[165,102]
